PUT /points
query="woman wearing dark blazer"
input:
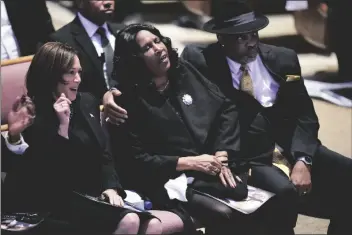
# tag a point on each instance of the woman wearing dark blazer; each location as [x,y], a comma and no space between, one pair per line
[178,122]
[70,152]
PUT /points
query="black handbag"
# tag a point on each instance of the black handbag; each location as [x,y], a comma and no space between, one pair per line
[212,185]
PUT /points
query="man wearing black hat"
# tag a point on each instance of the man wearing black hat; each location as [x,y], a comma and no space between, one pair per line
[275,109]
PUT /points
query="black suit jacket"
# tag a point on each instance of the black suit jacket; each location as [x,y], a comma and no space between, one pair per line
[31,23]
[9,160]
[162,128]
[291,122]
[57,166]
[75,35]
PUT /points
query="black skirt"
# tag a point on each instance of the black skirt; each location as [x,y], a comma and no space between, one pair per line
[88,215]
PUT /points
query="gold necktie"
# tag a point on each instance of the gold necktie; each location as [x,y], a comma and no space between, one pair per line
[281,162]
[246,83]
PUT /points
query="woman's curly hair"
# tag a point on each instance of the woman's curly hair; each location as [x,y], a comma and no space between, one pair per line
[129,68]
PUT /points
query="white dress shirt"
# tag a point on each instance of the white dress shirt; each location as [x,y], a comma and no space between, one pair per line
[18,149]
[265,87]
[91,30]
[9,46]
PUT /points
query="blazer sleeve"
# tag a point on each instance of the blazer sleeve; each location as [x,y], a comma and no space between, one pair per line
[154,165]
[146,162]
[227,132]
[49,153]
[9,158]
[193,55]
[43,138]
[304,138]
[110,177]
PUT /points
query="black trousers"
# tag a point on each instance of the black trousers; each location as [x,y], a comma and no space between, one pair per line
[331,193]
[277,216]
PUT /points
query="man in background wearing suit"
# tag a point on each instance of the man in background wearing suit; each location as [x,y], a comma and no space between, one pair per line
[93,37]
[275,109]
[24,24]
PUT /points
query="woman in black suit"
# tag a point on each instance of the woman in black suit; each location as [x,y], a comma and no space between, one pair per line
[178,122]
[70,152]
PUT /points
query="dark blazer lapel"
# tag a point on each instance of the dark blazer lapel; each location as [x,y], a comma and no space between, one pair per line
[82,38]
[196,115]
[219,69]
[269,61]
[93,120]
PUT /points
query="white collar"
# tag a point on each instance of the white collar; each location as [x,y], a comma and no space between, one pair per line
[89,26]
[235,66]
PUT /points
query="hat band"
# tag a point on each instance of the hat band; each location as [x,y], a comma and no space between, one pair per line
[239,20]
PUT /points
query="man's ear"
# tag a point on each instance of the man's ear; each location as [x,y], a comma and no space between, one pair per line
[220,39]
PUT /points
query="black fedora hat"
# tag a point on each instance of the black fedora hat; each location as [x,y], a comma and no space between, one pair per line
[235,17]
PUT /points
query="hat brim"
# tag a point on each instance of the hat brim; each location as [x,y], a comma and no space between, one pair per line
[259,23]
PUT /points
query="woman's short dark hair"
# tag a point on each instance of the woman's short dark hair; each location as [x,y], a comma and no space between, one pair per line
[129,67]
[47,68]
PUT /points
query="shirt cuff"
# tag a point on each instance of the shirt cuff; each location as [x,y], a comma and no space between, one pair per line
[18,149]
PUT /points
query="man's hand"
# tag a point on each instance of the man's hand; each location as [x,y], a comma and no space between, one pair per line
[112,112]
[20,117]
[205,163]
[114,198]
[223,157]
[301,177]
[226,176]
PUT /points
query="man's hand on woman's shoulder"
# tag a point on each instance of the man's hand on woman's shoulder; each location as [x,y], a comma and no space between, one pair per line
[113,113]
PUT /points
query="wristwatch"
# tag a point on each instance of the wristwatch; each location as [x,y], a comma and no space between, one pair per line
[307,160]
[10,140]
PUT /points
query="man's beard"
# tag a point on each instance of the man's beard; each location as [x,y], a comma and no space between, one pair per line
[249,57]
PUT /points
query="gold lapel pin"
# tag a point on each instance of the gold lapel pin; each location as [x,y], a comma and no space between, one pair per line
[290,78]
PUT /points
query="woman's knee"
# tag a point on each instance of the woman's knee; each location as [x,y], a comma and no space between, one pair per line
[154,226]
[130,220]
[170,222]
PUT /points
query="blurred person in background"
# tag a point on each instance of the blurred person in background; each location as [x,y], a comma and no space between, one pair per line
[320,22]
[93,35]
[24,24]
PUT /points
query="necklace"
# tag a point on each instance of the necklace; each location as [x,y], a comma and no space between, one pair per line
[165,86]
[71,111]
